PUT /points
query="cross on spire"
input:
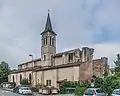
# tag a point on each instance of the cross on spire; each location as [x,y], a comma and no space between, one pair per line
[48,11]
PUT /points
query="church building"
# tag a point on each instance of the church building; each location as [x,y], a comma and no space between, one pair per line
[72,65]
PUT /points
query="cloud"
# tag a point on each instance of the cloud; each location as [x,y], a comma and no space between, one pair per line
[108,50]
[77,23]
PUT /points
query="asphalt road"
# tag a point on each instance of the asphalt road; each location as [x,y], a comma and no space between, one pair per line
[8,93]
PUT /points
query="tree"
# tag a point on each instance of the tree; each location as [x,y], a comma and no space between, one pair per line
[98,82]
[109,84]
[117,62]
[117,67]
[4,71]
[24,82]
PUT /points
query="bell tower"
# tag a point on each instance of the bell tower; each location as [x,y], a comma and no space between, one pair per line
[48,42]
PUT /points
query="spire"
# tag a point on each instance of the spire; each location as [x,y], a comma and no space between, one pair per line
[48,26]
[48,23]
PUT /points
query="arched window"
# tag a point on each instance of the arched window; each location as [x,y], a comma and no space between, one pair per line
[50,40]
[53,41]
[13,79]
[43,41]
[46,40]
[44,57]
[30,77]
[20,77]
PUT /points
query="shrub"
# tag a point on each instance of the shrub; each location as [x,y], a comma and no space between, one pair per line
[80,90]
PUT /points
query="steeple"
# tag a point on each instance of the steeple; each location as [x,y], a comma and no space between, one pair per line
[48,26]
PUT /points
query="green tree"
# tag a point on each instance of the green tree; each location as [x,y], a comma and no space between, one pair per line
[98,82]
[4,72]
[117,62]
[24,82]
[117,67]
[109,84]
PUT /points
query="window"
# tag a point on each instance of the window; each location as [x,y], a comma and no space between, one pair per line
[46,40]
[20,77]
[30,77]
[43,41]
[116,92]
[44,57]
[99,91]
[13,79]
[38,80]
[53,41]
[89,92]
[70,57]
[48,82]
[50,40]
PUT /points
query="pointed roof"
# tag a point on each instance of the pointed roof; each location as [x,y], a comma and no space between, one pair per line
[48,23]
[48,26]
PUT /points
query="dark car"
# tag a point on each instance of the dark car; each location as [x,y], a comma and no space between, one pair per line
[16,89]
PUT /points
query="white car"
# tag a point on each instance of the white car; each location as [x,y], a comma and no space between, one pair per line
[94,92]
[116,92]
[25,91]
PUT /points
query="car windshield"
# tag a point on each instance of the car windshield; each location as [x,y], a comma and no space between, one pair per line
[89,92]
[99,91]
[25,88]
[117,92]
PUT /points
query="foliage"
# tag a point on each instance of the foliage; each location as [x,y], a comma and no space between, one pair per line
[98,82]
[4,72]
[69,86]
[109,84]
[117,62]
[117,68]
[24,82]
[80,90]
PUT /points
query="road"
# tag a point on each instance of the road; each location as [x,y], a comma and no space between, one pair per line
[9,93]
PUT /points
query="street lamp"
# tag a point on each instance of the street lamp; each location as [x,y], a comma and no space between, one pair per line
[32,59]
[31,56]
[32,66]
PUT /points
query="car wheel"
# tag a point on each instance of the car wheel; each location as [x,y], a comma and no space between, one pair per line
[22,93]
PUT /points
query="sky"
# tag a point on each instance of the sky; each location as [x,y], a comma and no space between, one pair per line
[78,23]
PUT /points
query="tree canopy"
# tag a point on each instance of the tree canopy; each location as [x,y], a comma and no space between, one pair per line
[117,62]
[4,71]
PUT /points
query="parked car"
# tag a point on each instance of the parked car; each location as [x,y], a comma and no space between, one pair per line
[16,89]
[10,86]
[25,91]
[94,92]
[116,92]
[21,89]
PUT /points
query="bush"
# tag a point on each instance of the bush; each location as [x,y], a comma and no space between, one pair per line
[80,90]
[70,86]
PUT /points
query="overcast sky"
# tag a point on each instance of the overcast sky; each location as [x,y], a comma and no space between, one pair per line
[94,23]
